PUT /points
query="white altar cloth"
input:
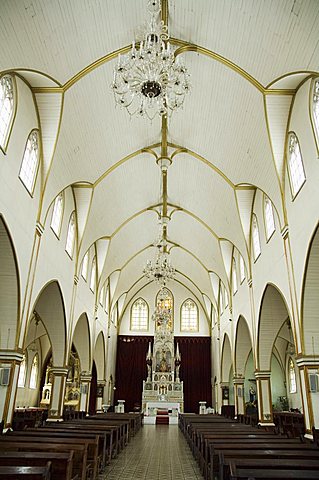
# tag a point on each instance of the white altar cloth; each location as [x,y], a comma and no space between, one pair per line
[162,405]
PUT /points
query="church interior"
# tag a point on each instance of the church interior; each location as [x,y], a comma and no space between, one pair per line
[159,228]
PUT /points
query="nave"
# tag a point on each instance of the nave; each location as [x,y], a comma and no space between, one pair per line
[155,453]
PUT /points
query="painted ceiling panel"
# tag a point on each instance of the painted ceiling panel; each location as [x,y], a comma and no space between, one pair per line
[196,238]
[121,195]
[266,39]
[278,108]
[214,202]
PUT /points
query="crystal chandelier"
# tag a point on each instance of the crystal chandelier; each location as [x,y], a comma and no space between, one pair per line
[149,81]
[161,270]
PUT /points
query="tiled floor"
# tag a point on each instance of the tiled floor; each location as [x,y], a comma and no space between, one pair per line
[155,453]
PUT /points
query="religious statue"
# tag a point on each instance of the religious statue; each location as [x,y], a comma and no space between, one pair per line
[163,364]
[252,394]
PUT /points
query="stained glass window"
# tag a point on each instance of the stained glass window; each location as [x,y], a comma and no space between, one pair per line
[295,165]
[69,247]
[34,373]
[139,315]
[30,161]
[269,217]
[189,316]
[292,377]
[6,107]
[256,238]
[234,274]
[57,214]
[93,275]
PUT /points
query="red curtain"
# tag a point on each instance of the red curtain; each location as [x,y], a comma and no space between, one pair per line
[131,369]
[195,371]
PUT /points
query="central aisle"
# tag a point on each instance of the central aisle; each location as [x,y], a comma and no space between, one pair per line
[155,453]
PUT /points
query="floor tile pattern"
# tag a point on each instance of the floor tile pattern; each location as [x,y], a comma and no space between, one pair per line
[157,452]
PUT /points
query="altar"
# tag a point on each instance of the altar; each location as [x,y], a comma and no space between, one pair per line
[163,389]
[172,407]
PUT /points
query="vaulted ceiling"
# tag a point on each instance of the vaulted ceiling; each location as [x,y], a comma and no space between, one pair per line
[246,59]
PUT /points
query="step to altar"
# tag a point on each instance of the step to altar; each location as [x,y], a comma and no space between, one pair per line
[162,419]
[151,420]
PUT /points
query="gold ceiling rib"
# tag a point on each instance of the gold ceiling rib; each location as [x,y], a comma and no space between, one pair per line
[183,48]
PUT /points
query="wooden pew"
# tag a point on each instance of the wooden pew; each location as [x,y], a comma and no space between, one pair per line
[122,423]
[273,472]
[61,463]
[266,457]
[78,431]
[91,440]
[135,419]
[44,444]
[212,468]
[34,473]
[115,431]
[244,441]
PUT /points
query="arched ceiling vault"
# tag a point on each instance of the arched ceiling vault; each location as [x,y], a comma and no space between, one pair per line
[246,60]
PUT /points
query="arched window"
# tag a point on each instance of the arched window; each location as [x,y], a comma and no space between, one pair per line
[106,307]
[6,108]
[85,265]
[269,217]
[101,299]
[57,214]
[221,299]
[93,275]
[315,106]
[69,246]
[234,275]
[242,269]
[226,299]
[189,316]
[29,165]
[34,372]
[292,377]
[256,238]
[165,301]
[22,372]
[139,315]
[295,165]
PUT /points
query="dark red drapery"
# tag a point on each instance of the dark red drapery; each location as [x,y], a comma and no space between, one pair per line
[131,369]
[195,370]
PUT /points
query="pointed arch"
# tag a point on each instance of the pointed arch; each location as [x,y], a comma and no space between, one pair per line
[50,308]
[273,313]
[310,298]
[99,356]
[9,289]
[82,341]
[226,359]
[243,345]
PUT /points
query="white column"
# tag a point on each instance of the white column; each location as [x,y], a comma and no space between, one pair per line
[99,395]
[309,384]
[225,392]
[264,397]
[85,383]
[239,395]
[202,408]
[59,375]
[10,363]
